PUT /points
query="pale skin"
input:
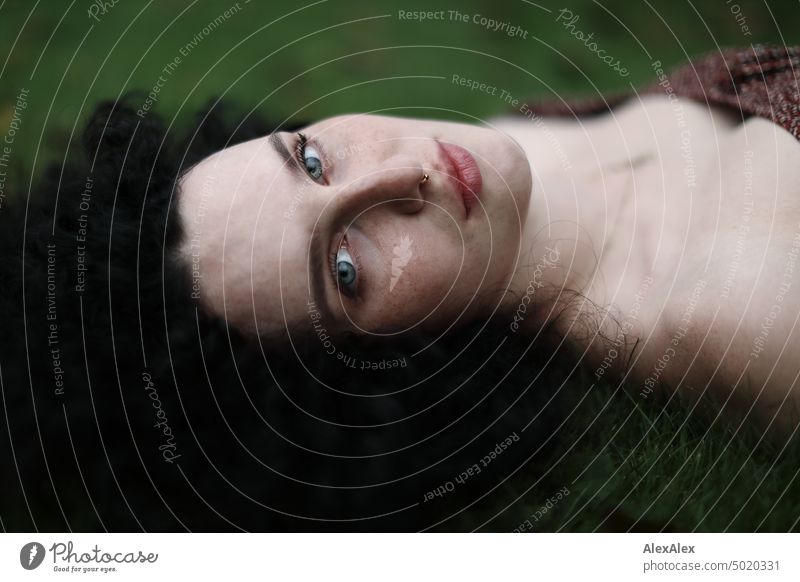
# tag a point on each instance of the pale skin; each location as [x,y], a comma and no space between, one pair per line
[672,217]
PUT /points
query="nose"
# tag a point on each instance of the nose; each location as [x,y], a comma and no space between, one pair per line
[396,184]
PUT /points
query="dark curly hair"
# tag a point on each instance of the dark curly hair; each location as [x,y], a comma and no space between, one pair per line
[127,408]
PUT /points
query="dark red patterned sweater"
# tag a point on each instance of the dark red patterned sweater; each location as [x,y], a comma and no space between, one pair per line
[759,80]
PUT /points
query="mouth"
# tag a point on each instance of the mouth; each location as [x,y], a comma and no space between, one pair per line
[463,171]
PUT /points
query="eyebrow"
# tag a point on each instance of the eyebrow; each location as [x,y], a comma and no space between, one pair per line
[283,152]
[318,263]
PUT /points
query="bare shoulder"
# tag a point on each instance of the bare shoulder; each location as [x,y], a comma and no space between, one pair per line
[738,345]
[671,110]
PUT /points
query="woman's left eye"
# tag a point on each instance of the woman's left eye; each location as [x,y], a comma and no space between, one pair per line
[309,157]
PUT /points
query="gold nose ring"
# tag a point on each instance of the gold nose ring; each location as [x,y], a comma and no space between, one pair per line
[425,178]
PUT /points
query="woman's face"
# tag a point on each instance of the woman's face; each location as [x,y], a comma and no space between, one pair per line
[352,238]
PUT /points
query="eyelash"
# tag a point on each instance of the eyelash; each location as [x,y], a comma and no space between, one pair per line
[300,148]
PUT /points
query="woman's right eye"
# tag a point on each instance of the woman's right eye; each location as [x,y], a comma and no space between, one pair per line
[344,271]
[309,157]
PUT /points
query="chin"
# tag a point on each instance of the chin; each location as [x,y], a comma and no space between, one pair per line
[511,179]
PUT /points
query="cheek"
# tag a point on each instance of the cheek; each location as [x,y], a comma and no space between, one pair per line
[496,242]
[430,286]
[433,275]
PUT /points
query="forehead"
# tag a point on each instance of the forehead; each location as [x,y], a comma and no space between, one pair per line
[246,236]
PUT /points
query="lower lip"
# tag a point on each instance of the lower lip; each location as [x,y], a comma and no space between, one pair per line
[468,178]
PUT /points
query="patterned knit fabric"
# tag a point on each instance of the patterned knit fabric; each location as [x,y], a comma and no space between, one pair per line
[759,80]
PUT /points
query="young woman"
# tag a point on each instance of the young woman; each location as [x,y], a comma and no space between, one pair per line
[677,215]
[368,322]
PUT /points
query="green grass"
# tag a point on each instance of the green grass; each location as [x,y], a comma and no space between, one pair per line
[659,466]
[338,56]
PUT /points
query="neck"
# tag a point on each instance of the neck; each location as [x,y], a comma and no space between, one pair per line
[570,225]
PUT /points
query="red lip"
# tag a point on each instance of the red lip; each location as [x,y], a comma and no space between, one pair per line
[464,172]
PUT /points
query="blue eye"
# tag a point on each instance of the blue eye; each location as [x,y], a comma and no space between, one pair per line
[309,157]
[344,271]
